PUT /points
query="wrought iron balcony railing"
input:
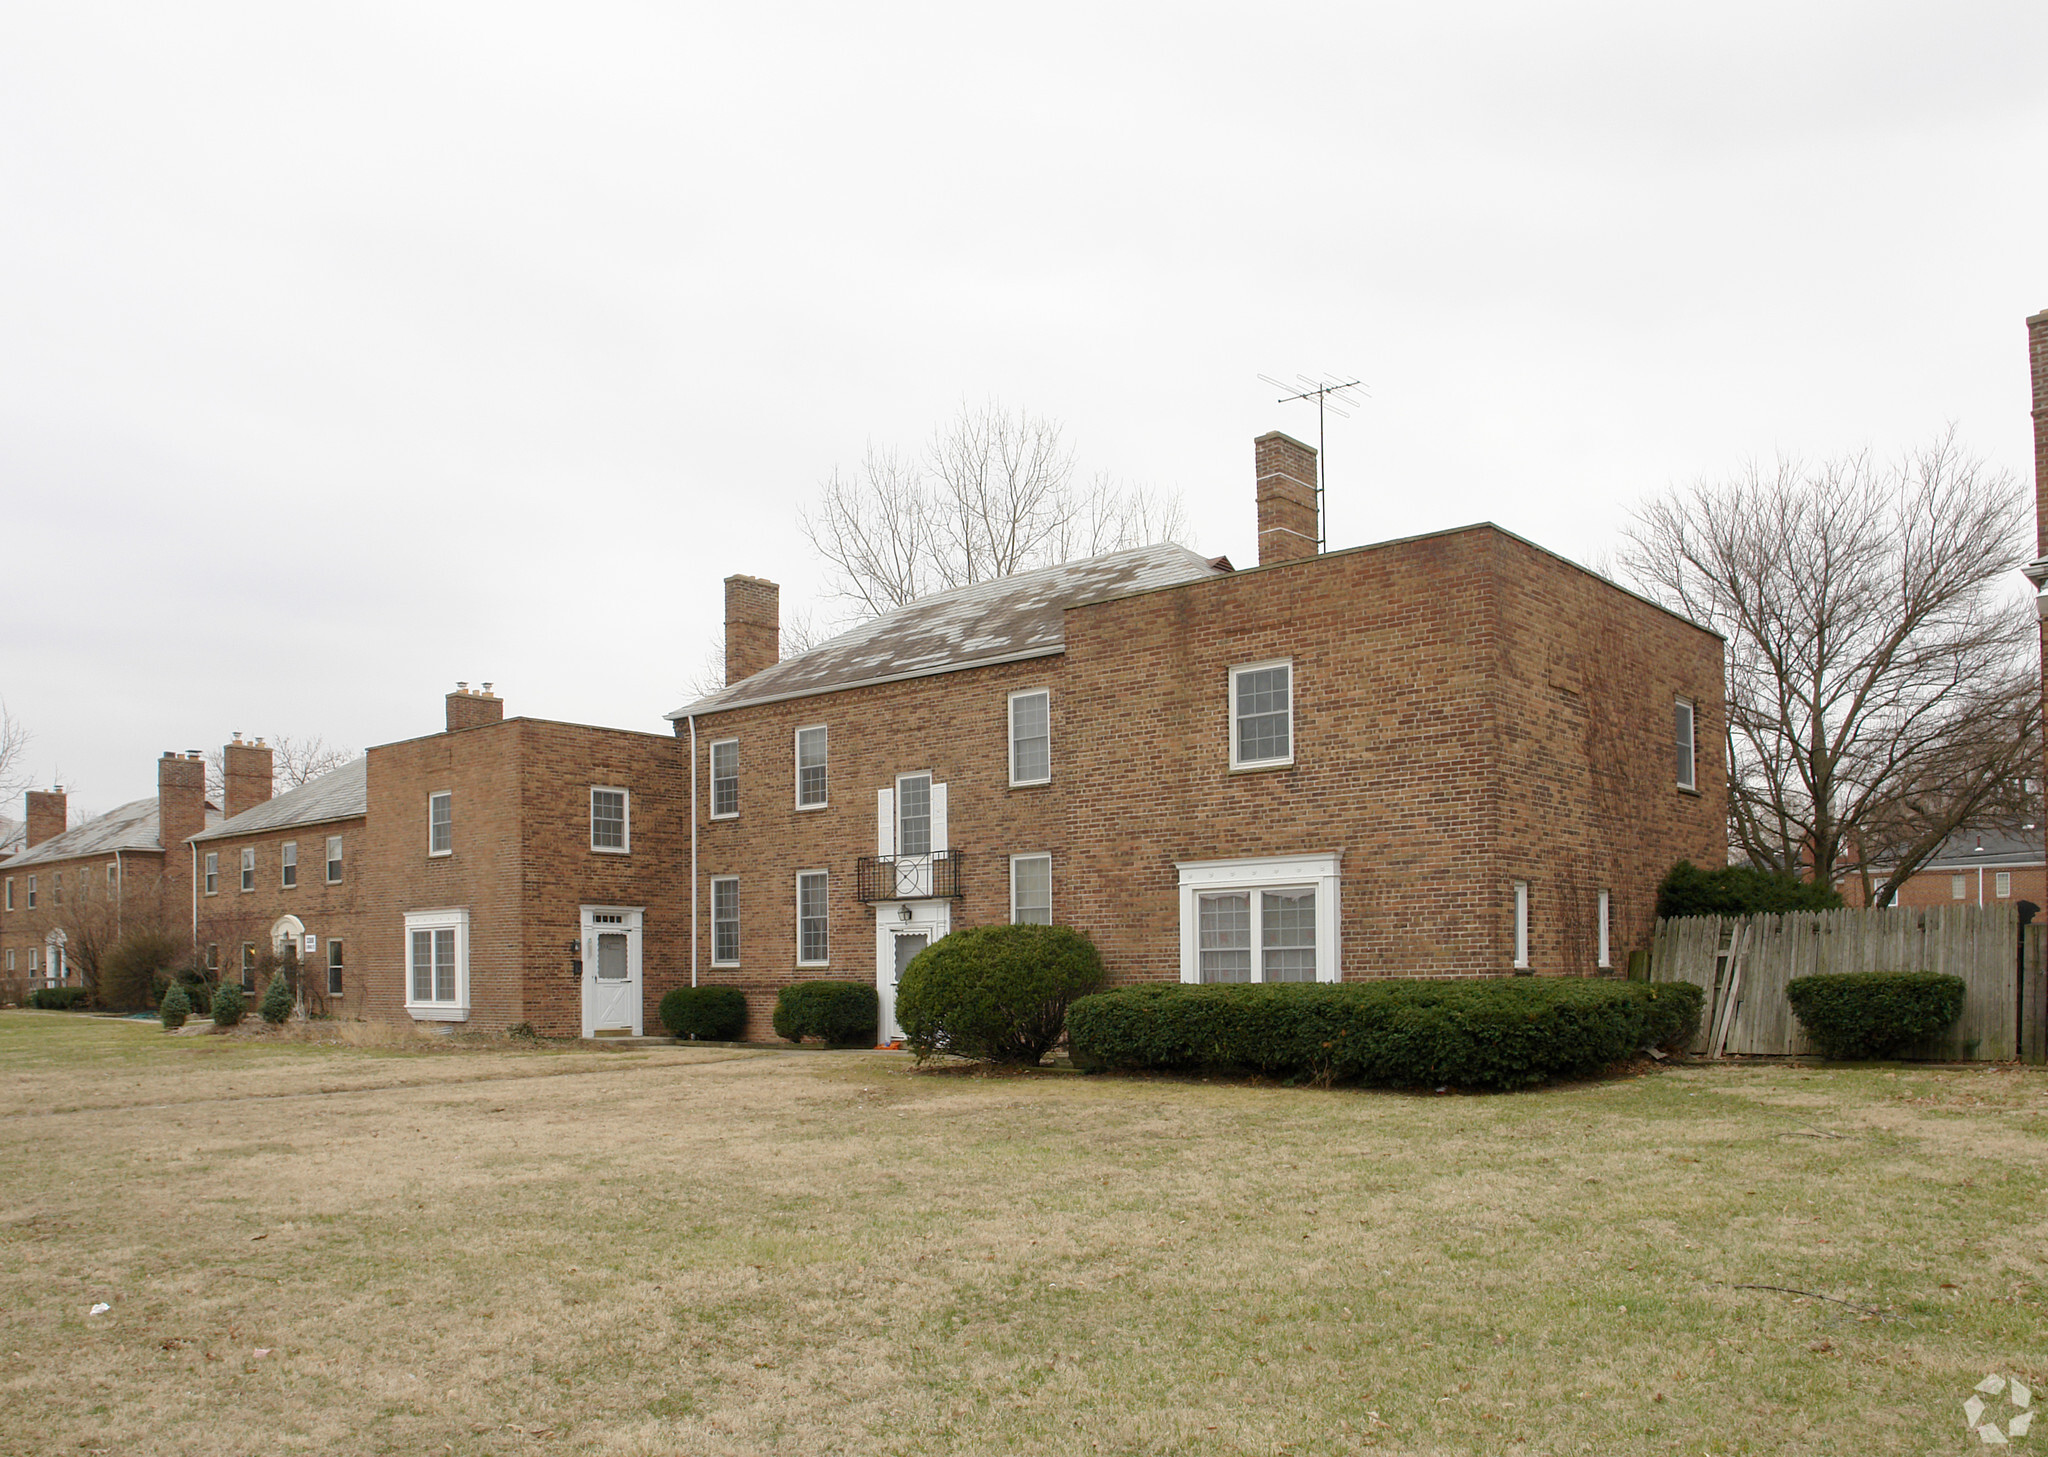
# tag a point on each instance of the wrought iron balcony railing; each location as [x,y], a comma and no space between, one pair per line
[908,877]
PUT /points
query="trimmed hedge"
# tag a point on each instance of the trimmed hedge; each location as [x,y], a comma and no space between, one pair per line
[1739,890]
[995,993]
[175,1009]
[1861,1015]
[838,1013]
[228,1004]
[58,999]
[1500,1032]
[714,1014]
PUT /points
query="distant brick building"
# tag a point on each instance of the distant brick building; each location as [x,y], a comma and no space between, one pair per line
[1982,866]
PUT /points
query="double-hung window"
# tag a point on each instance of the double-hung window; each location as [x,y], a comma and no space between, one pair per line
[249,867]
[437,965]
[1269,919]
[31,892]
[57,887]
[725,920]
[441,823]
[2001,884]
[1031,889]
[10,892]
[213,872]
[248,966]
[810,767]
[113,877]
[1958,887]
[288,858]
[725,779]
[1606,949]
[1521,925]
[611,829]
[1031,737]
[1262,715]
[333,968]
[1688,755]
[334,859]
[813,930]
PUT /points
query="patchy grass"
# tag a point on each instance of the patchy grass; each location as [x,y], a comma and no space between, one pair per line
[311,1246]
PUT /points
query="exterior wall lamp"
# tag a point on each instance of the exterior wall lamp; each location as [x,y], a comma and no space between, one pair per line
[576,958]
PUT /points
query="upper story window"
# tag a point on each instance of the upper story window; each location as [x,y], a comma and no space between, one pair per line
[57,887]
[611,829]
[31,892]
[810,767]
[249,868]
[2001,884]
[113,877]
[1031,737]
[334,859]
[813,924]
[913,815]
[441,823]
[725,920]
[10,892]
[288,860]
[1262,715]
[1031,889]
[1688,757]
[213,872]
[725,778]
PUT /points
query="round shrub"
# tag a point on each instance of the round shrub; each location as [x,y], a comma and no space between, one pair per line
[277,999]
[712,1014]
[837,1013]
[228,1004]
[1861,1015]
[995,993]
[175,1008]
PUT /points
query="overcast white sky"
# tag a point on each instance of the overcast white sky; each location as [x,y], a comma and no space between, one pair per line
[345,354]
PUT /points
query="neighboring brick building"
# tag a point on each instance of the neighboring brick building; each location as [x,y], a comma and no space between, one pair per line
[1982,866]
[71,894]
[1451,755]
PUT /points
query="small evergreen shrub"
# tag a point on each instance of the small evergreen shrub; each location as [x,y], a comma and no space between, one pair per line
[1496,1032]
[175,1008]
[995,993]
[198,990]
[712,1014]
[277,999]
[838,1013]
[228,1005]
[58,999]
[1739,890]
[132,967]
[1862,1015]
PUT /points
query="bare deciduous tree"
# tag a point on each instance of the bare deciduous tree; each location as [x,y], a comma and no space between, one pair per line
[1880,692]
[14,737]
[993,493]
[799,635]
[293,762]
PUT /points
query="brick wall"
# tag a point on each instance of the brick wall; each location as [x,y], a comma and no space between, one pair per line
[232,916]
[142,898]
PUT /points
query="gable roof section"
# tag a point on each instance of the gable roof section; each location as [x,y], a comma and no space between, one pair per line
[1989,845]
[132,827]
[341,795]
[1002,621]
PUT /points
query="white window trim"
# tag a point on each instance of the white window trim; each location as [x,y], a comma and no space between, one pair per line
[796,766]
[333,966]
[1044,855]
[1318,872]
[1046,694]
[292,865]
[334,860]
[799,909]
[718,880]
[1521,925]
[626,828]
[248,867]
[439,920]
[1253,764]
[2001,885]
[10,892]
[432,853]
[1692,742]
[711,765]
[1606,953]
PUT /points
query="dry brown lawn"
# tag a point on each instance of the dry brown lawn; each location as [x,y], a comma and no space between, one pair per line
[312,1246]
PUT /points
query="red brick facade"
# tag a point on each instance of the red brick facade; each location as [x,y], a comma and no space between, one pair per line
[228,920]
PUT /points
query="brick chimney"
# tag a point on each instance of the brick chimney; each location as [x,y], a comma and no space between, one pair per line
[180,805]
[248,776]
[1286,471]
[753,626]
[46,812]
[470,708]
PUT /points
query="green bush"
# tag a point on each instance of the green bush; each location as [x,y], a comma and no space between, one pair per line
[129,971]
[1859,1015]
[58,999]
[175,1008]
[839,1013]
[1497,1032]
[198,990]
[1739,890]
[277,999]
[995,993]
[228,1005]
[714,1014]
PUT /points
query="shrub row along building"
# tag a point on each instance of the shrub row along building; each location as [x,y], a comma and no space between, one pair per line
[1455,754]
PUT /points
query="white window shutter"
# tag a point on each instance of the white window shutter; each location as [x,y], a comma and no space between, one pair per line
[885,822]
[938,819]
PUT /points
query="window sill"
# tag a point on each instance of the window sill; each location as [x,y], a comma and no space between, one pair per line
[731,815]
[437,1013]
[439,854]
[1263,766]
[610,850]
[1030,783]
[806,808]
[812,965]
[1692,790]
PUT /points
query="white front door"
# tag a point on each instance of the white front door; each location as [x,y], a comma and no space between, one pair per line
[897,939]
[611,972]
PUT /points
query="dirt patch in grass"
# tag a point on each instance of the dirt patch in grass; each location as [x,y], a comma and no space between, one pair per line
[311,1246]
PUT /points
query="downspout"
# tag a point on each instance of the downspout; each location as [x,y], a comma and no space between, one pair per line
[195,894]
[693,849]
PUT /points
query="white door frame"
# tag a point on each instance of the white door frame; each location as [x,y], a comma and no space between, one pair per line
[630,920]
[930,918]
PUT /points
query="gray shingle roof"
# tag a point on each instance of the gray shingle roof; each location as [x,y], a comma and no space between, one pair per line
[1990,844]
[341,795]
[1002,621]
[131,827]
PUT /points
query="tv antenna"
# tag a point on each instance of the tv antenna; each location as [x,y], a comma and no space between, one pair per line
[1329,396]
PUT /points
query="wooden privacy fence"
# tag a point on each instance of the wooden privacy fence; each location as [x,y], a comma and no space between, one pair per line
[1744,962]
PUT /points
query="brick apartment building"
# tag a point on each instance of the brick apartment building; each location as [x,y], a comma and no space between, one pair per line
[78,890]
[1983,866]
[1456,754]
